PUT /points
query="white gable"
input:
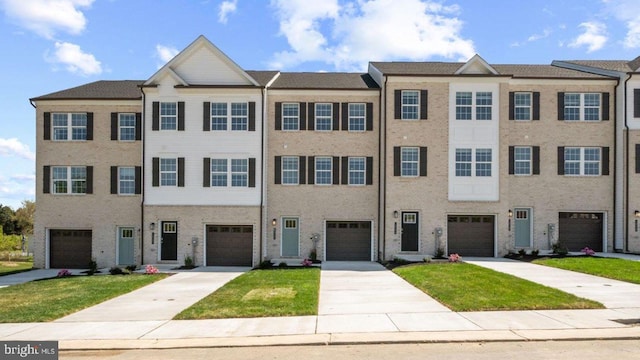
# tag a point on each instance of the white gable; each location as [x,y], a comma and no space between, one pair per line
[476,65]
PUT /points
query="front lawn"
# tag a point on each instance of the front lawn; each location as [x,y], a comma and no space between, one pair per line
[617,269]
[466,287]
[13,267]
[50,299]
[261,293]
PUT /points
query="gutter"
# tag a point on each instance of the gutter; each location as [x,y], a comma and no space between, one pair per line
[626,180]
[382,173]
[142,187]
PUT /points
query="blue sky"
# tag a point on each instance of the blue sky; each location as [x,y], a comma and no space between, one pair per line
[50,45]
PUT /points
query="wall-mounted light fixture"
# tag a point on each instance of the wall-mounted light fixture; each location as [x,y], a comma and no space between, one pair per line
[274,222]
[510,216]
[396,214]
[152,226]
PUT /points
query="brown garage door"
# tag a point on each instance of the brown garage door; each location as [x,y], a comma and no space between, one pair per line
[349,240]
[580,230]
[471,235]
[229,245]
[69,249]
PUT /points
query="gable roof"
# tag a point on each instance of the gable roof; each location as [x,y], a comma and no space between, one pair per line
[610,65]
[321,80]
[476,65]
[262,77]
[99,90]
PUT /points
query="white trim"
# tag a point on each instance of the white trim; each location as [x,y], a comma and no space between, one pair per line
[282,220]
[531,225]
[371,242]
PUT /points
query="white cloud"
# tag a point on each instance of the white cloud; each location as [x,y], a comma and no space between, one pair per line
[594,36]
[166,53]
[627,12]
[226,8]
[15,189]
[75,60]
[348,36]
[47,17]
[536,37]
[13,147]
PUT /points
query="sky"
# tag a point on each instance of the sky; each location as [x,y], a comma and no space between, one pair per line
[52,45]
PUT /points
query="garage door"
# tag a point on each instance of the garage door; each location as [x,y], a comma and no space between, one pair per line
[349,240]
[229,245]
[580,230]
[69,249]
[471,235]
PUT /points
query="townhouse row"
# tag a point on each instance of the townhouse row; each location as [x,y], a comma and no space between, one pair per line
[205,160]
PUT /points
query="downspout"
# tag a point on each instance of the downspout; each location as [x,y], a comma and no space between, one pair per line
[142,187]
[615,164]
[626,180]
[262,177]
[382,174]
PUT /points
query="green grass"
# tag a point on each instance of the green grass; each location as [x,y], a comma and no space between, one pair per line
[260,293]
[618,269]
[13,267]
[466,287]
[50,299]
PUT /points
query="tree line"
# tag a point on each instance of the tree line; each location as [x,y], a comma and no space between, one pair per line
[18,222]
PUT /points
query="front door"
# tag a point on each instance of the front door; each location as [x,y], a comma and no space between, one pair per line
[290,237]
[169,241]
[125,246]
[522,227]
[410,231]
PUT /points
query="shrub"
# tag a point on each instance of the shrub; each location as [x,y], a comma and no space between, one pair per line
[265,264]
[188,261]
[150,270]
[306,262]
[535,252]
[282,264]
[93,267]
[116,271]
[454,258]
[10,242]
[131,268]
[313,255]
[522,252]
[439,253]
[63,273]
[587,251]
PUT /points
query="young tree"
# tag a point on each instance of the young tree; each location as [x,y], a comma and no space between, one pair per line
[6,219]
[23,217]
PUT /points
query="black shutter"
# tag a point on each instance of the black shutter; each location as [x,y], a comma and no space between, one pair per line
[397,104]
[605,106]
[636,103]
[138,181]
[46,179]
[138,126]
[114,179]
[311,179]
[369,111]
[345,116]
[512,159]
[47,126]
[637,158]
[311,118]
[89,126]
[302,170]
[345,170]
[396,160]
[114,126]
[302,113]
[89,180]
[155,118]
[536,106]
[424,104]
[336,116]
[252,117]
[512,106]
[369,170]
[278,170]
[336,170]
[252,172]
[180,115]
[423,161]
[278,116]
[605,160]
[561,108]
[535,169]
[155,179]
[206,172]
[206,116]
[560,160]
[181,172]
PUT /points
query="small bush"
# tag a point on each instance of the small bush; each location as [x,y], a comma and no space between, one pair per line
[188,261]
[535,252]
[282,264]
[93,267]
[131,268]
[306,262]
[265,264]
[116,271]
[522,252]
[454,258]
[150,270]
[63,273]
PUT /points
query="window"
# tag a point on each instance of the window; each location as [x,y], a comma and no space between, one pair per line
[357,170]
[582,106]
[127,127]
[69,179]
[463,162]
[126,180]
[290,165]
[522,160]
[357,117]
[484,102]
[464,102]
[69,126]
[168,172]
[409,161]
[219,172]
[582,161]
[239,116]
[410,104]
[324,117]
[465,109]
[483,162]
[409,218]
[218,116]
[522,106]
[168,116]
[291,116]
[324,170]
[239,172]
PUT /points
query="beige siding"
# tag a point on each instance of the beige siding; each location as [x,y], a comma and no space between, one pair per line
[633,242]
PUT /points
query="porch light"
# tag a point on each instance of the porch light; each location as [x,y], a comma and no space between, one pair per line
[396,214]
[274,222]
[637,213]
[510,213]
[152,226]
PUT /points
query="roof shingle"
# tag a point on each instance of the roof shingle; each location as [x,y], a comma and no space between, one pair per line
[309,80]
[99,90]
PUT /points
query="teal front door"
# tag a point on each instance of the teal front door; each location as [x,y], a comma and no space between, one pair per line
[125,246]
[290,237]
[522,226]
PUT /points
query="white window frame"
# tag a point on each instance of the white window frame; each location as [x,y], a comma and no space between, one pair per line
[229,116]
[290,173]
[356,171]
[122,117]
[323,117]
[131,181]
[529,161]
[68,180]
[357,117]
[319,172]
[290,122]
[582,107]
[482,172]
[239,172]
[468,164]
[166,182]
[474,106]
[239,116]
[405,152]
[68,127]
[168,121]
[215,172]
[522,101]
[219,116]
[582,161]
[409,107]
